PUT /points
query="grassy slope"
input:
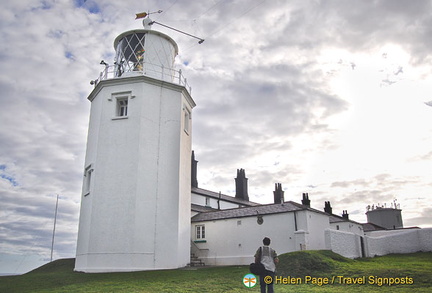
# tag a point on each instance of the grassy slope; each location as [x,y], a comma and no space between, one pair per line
[58,276]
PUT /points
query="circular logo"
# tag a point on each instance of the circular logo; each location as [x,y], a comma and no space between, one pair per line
[268,280]
[249,280]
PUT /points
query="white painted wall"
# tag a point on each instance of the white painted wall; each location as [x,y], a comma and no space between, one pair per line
[314,224]
[160,52]
[425,239]
[348,227]
[344,243]
[383,242]
[235,241]
[137,215]
[404,241]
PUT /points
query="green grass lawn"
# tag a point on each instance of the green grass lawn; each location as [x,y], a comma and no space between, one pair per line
[58,276]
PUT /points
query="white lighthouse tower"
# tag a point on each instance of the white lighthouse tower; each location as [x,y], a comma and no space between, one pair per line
[135,206]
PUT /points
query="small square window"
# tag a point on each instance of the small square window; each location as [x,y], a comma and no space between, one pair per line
[121,104]
[122,107]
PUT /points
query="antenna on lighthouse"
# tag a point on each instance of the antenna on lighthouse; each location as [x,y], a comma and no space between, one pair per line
[148,22]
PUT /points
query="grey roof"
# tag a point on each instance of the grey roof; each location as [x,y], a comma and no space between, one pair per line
[337,219]
[201,209]
[367,227]
[223,197]
[249,211]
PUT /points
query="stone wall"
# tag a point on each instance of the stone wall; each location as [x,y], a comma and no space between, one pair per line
[384,242]
[406,241]
[344,243]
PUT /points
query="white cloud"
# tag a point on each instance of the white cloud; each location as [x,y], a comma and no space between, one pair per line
[277,93]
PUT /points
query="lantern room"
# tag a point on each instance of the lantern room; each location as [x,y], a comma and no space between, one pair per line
[145,52]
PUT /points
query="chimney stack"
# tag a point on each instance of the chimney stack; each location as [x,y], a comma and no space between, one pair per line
[241,185]
[278,193]
[305,200]
[345,214]
[327,207]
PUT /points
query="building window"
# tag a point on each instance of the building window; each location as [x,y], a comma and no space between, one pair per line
[187,119]
[122,107]
[207,201]
[121,104]
[87,179]
[337,227]
[200,232]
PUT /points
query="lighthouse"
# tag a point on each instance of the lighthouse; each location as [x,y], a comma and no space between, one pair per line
[136,195]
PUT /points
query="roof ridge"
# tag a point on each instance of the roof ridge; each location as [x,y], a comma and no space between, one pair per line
[250,211]
[214,194]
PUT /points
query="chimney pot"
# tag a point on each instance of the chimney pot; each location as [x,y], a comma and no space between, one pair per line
[241,185]
[305,200]
[278,194]
[327,207]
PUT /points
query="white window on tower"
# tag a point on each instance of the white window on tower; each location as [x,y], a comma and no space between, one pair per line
[87,179]
[200,232]
[187,119]
[121,104]
[122,107]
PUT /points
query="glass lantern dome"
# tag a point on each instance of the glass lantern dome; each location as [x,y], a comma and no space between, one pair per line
[145,52]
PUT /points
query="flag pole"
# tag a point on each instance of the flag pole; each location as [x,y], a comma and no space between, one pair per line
[55,221]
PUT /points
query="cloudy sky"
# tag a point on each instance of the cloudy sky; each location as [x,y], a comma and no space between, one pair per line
[333,98]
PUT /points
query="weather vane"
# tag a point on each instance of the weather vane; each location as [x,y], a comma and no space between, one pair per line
[146,14]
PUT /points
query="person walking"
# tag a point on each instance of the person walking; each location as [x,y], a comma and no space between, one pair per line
[268,257]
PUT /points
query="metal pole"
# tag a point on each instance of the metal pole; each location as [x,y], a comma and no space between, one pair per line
[200,40]
[55,221]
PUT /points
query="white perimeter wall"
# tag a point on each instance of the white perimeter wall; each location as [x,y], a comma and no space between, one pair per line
[406,241]
[344,243]
[386,242]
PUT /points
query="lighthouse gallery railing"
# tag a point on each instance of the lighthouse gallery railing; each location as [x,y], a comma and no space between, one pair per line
[151,70]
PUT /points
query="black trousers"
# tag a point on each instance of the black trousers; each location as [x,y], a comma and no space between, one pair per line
[264,285]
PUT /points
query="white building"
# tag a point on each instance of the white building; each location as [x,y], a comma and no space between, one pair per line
[135,208]
[231,236]
[141,207]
